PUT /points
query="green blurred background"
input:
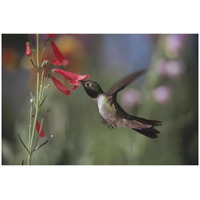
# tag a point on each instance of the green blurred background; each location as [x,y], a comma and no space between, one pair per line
[167,92]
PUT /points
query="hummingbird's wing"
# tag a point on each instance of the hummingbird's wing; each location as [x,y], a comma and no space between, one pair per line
[123,83]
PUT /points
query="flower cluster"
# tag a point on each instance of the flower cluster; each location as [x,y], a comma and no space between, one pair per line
[61,60]
[170,66]
[43,73]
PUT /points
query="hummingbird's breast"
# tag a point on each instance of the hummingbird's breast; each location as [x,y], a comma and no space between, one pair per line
[106,110]
[112,115]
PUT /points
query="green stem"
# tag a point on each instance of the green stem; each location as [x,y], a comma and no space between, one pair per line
[43,51]
[41,85]
[30,125]
[37,104]
[37,46]
[43,89]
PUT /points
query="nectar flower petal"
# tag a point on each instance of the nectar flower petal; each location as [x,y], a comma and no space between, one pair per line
[61,60]
[39,130]
[28,49]
[74,87]
[71,76]
[60,86]
[64,62]
[56,62]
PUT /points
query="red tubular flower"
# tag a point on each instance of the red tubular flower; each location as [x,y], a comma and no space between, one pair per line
[39,130]
[51,36]
[60,86]
[60,58]
[73,78]
[28,49]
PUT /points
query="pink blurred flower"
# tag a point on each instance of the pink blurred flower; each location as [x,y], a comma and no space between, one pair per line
[171,69]
[162,94]
[174,44]
[130,98]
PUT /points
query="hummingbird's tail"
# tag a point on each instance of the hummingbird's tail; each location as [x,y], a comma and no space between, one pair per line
[149,132]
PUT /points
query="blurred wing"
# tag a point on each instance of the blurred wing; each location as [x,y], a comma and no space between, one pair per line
[124,82]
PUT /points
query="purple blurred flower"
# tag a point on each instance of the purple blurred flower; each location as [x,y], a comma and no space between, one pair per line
[130,98]
[162,94]
[174,44]
[171,69]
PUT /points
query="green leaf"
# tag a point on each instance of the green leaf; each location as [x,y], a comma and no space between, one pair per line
[43,101]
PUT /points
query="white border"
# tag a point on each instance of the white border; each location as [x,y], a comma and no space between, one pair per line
[100,182]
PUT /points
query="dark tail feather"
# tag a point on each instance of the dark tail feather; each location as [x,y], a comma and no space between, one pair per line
[149,132]
[147,121]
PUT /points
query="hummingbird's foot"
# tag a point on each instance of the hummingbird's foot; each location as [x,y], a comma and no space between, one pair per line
[111,126]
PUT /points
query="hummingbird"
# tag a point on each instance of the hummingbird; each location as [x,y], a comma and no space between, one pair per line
[113,113]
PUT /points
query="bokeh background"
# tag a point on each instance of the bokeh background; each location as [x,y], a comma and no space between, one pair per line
[167,92]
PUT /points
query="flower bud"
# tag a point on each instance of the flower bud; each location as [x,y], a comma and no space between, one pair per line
[48,86]
[46,62]
[28,49]
[31,101]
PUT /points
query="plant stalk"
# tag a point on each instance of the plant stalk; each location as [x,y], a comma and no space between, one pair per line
[37,102]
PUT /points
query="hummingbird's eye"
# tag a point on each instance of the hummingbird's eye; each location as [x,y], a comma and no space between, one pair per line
[88,84]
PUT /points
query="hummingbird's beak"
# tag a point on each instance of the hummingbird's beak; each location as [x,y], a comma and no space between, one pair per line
[83,82]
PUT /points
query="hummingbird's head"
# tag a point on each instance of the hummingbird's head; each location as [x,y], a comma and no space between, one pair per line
[92,88]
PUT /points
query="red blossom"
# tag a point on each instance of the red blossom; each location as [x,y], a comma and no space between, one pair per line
[39,129]
[51,36]
[60,86]
[28,49]
[72,78]
[60,59]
